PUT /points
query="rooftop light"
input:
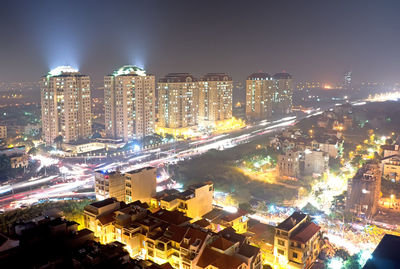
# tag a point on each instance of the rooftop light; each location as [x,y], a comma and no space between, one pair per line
[62,69]
[130,69]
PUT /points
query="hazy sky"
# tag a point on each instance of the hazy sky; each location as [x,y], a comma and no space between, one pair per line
[312,40]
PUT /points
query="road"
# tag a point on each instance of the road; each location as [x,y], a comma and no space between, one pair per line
[74,178]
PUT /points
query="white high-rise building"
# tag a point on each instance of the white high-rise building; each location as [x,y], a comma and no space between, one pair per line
[129,103]
[66,106]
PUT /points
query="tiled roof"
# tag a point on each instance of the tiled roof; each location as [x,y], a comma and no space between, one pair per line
[194,235]
[202,223]
[248,251]
[217,259]
[175,233]
[221,243]
[231,235]
[102,203]
[105,219]
[172,217]
[304,234]
[291,221]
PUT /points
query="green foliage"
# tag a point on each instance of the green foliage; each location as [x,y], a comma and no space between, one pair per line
[5,163]
[33,151]
[246,207]
[221,168]
[72,210]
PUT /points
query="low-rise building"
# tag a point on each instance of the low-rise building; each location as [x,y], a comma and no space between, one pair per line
[390,150]
[364,190]
[390,167]
[315,162]
[139,184]
[221,219]
[297,242]
[289,164]
[86,146]
[109,184]
[194,202]
[19,160]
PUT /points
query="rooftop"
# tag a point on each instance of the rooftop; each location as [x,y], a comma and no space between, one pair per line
[59,70]
[305,233]
[221,243]
[259,76]
[195,236]
[386,254]
[217,259]
[203,223]
[231,235]
[135,171]
[177,77]
[282,76]
[216,77]
[289,223]
[105,202]
[129,70]
[248,250]
[172,217]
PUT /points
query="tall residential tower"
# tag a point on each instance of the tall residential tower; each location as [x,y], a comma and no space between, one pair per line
[129,100]
[66,108]
[215,98]
[177,101]
[267,95]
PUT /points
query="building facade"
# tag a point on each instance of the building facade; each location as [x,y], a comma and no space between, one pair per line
[390,167]
[215,98]
[364,190]
[66,106]
[109,184]
[268,95]
[139,184]
[177,101]
[195,202]
[259,87]
[282,97]
[297,242]
[3,132]
[129,103]
[315,162]
[289,164]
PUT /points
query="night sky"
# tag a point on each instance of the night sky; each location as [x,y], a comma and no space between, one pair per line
[313,40]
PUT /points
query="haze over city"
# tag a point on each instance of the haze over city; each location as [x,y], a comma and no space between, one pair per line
[314,40]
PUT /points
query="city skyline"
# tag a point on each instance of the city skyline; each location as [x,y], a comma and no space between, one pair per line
[313,41]
[199,135]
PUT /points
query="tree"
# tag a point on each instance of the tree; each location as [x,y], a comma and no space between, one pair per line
[5,163]
[58,140]
[33,151]
[169,137]
[96,135]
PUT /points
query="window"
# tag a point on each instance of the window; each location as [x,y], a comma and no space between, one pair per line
[281,242]
[294,255]
[281,252]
